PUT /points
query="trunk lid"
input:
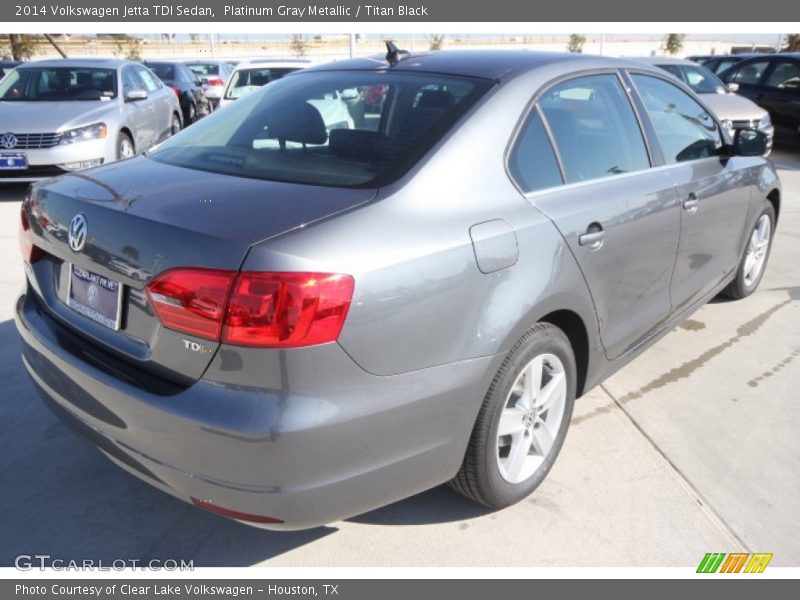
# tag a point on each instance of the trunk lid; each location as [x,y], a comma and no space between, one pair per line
[144,217]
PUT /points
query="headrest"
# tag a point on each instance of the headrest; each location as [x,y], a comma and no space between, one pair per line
[297,122]
[436,99]
[358,143]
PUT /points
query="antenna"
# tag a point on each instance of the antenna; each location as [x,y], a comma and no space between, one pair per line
[393,54]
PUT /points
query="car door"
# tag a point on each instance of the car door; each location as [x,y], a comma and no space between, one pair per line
[161,99]
[139,113]
[618,216]
[714,204]
[780,95]
[749,74]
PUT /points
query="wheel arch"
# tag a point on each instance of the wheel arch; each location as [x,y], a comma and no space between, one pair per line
[575,329]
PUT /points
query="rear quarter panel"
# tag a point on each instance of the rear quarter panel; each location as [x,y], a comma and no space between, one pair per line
[420,299]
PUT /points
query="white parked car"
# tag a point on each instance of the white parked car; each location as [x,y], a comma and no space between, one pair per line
[65,115]
[250,75]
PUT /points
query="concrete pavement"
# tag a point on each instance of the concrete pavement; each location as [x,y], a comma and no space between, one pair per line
[692,448]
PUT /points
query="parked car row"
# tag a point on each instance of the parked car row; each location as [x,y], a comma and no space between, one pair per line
[64,115]
[770,80]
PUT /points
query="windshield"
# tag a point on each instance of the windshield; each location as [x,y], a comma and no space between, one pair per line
[699,78]
[245,81]
[344,129]
[58,84]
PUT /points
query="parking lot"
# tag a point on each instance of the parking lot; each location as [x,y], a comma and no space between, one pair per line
[692,448]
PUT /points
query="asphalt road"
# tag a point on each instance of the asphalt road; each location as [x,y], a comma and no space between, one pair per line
[692,448]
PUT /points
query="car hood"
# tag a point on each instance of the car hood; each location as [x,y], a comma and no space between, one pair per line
[733,107]
[49,117]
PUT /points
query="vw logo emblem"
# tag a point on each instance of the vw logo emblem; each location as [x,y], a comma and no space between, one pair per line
[93,295]
[8,140]
[78,229]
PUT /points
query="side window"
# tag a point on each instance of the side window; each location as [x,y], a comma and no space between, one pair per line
[749,73]
[785,75]
[150,81]
[532,162]
[594,128]
[684,129]
[130,81]
[724,65]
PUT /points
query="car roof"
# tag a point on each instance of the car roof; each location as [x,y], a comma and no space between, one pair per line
[665,60]
[273,62]
[108,63]
[488,64]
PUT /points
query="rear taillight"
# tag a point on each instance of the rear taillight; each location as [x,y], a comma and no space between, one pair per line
[268,310]
[177,90]
[30,251]
[215,81]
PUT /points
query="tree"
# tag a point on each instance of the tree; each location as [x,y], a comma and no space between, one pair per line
[298,45]
[673,43]
[576,42]
[792,43]
[23,46]
[436,41]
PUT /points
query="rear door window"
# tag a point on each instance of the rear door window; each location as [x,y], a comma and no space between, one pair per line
[594,128]
[749,73]
[685,130]
[532,162]
[785,74]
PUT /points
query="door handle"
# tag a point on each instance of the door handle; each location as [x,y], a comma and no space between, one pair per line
[594,236]
[691,203]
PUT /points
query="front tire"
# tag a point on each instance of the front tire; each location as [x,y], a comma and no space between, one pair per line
[175,124]
[125,148]
[754,262]
[523,420]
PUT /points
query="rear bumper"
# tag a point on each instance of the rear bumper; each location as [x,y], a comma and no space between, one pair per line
[307,459]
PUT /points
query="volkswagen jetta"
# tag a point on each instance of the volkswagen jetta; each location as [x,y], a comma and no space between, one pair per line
[287,321]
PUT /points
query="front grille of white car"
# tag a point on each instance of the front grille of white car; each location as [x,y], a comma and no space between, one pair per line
[745,124]
[36,141]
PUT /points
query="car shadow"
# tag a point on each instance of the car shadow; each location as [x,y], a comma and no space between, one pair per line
[12,192]
[60,496]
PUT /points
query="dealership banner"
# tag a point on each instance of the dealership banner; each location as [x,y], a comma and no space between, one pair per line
[390,11]
[389,589]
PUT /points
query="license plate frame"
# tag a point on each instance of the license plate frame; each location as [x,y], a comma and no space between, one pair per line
[13,161]
[103,304]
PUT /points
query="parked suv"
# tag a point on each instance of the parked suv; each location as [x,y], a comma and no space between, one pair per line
[58,116]
[187,87]
[773,82]
[324,321]
[735,111]
[250,75]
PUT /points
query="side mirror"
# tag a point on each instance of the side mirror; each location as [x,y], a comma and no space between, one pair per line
[749,142]
[733,87]
[136,95]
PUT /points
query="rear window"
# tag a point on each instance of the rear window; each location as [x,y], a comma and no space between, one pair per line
[204,68]
[344,129]
[164,71]
[245,81]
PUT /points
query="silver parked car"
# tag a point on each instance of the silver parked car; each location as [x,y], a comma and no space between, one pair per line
[735,111]
[58,116]
[287,324]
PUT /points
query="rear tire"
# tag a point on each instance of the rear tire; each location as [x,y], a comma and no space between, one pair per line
[191,114]
[754,262]
[515,442]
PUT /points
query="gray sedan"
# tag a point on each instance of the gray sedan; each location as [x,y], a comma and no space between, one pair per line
[288,322]
[58,116]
